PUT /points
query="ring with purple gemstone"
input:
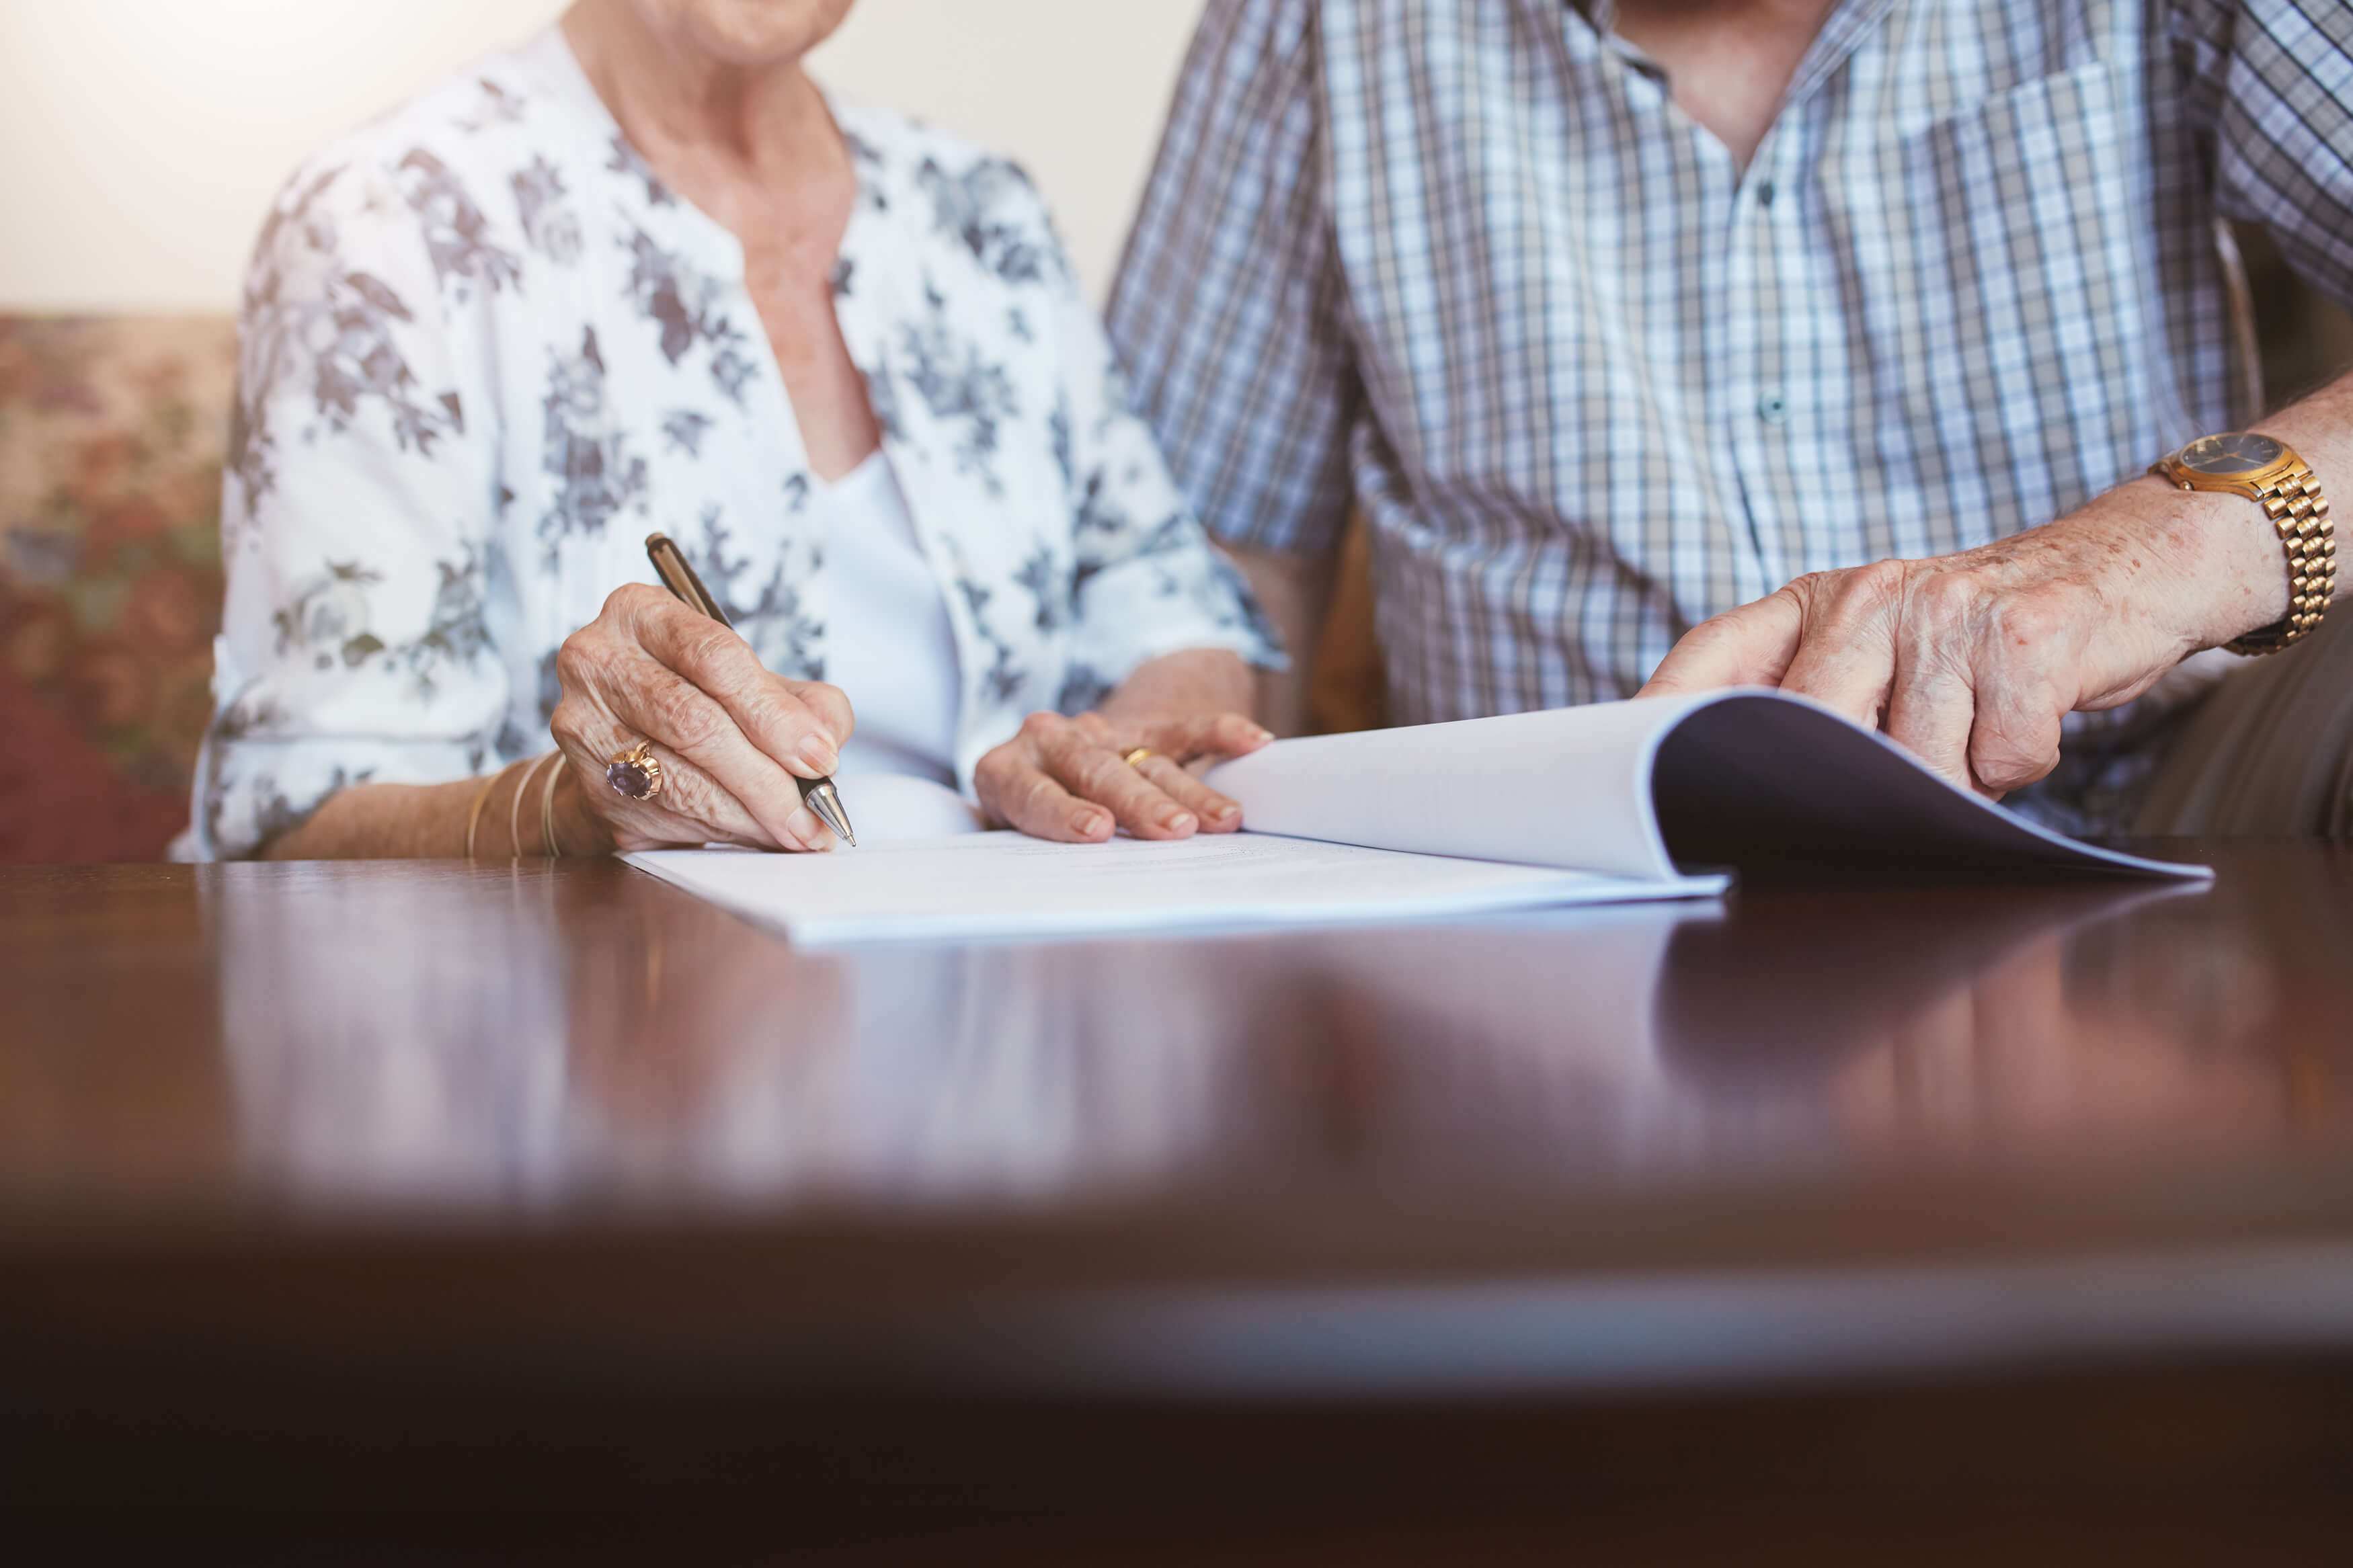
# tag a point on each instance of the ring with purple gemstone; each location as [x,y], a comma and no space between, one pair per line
[635,772]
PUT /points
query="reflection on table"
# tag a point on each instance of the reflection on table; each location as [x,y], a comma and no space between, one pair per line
[537,1043]
[555,1191]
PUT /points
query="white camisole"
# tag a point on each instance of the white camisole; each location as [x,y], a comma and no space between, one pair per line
[888,641]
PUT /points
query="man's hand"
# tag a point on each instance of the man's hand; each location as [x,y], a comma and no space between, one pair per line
[1971,660]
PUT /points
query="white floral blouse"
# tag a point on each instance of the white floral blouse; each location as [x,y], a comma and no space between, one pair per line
[484,351]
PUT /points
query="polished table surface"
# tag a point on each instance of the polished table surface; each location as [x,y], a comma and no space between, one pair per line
[540,1150]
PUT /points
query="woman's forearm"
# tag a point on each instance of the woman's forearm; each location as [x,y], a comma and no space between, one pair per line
[1195,680]
[415,822]
[428,822]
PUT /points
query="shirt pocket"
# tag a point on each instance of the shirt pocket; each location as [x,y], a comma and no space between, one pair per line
[2019,328]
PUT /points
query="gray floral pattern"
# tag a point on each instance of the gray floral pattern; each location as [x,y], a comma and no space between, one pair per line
[484,350]
[681,304]
[596,475]
[552,226]
[457,234]
[970,206]
[965,389]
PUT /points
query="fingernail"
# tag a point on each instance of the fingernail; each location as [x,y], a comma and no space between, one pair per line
[819,752]
[1085,822]
[1227,812]
[1260,734]
[803,824]
[1177,822]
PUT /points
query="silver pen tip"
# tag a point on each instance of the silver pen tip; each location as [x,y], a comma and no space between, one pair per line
[826,800]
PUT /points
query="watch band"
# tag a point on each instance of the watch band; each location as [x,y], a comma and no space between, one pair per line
[2292,500]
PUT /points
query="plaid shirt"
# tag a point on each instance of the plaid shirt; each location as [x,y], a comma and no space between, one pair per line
[1463,264]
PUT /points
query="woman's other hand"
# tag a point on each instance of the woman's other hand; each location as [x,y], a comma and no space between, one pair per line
[1066,779]
[731,736]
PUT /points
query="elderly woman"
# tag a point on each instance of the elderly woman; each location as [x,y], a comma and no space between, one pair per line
[642,275]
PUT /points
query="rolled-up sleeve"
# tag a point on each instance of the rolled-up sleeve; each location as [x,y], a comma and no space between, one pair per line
[1147,579]
[356,524]
[1227,309]
[2273,81]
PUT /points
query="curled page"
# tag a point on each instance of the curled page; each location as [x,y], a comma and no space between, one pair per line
[1569,786]
[1756,780]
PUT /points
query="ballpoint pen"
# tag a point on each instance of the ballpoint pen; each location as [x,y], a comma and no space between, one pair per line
[677,577]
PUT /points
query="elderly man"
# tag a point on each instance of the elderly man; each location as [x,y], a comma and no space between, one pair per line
[1823,342]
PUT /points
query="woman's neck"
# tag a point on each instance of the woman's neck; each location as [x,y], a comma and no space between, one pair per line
[755,148]
[705,123]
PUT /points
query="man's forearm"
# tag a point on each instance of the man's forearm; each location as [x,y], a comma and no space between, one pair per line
[1196,681]
[2227,559]
[1295,592]
[1973,661]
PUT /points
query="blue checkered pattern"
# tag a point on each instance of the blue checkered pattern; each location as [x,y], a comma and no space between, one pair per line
[1462,264]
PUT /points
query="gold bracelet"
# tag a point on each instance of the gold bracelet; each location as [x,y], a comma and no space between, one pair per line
[514,808]
[2298,512]
[547,809]
[2267,471]
[481,798]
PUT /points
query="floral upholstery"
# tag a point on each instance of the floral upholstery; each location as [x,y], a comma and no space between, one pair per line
[111,430]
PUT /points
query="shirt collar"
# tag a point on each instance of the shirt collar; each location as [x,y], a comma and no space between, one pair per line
[1840,31]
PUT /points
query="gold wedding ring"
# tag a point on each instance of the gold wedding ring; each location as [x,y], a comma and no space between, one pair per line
[635,772]
[1134,756]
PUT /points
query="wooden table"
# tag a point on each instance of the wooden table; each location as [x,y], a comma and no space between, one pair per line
[532,1205]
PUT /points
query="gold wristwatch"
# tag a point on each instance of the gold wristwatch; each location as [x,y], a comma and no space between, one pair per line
[2270,474]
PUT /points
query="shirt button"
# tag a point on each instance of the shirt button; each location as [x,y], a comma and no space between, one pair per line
[1764,193]
[1773,408]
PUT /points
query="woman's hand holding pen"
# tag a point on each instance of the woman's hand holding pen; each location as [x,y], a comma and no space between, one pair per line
[731,737]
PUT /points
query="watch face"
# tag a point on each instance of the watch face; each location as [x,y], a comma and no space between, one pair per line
[2240,453]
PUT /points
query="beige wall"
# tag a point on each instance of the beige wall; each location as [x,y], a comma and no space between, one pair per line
[141,140]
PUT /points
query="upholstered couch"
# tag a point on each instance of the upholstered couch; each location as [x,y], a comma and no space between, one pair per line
[111,430]
[111,437]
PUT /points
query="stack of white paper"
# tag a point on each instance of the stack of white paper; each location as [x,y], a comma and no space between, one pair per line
[1006,884]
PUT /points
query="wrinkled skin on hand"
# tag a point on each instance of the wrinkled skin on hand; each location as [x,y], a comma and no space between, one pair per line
[731,736]
[1970,661]
[1064,779]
